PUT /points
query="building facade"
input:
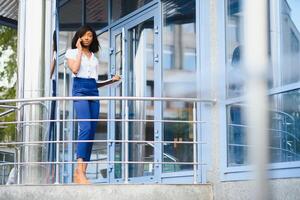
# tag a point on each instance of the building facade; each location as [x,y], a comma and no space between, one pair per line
[172,49]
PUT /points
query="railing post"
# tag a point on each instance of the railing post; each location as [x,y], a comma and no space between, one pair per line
[194,143]
[126,151]
[64,123]
[57,142]
[18,156]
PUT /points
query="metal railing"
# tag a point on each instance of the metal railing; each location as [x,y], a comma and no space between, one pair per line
[125,142]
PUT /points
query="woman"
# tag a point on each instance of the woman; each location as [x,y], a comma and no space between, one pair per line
[83,64]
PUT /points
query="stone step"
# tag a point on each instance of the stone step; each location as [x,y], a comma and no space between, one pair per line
[107,192]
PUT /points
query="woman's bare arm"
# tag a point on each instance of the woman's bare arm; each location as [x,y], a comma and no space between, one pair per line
[74,64]
[52,67]
[109,81]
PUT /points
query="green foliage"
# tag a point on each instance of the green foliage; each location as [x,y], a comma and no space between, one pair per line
[8,71]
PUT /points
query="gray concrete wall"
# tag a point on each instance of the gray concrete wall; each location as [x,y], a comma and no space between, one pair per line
[107,192]
[281,189]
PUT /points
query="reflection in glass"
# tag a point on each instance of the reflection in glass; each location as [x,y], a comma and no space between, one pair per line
[118,106]
[6,156]
[141,84]
[234,72]
[236,138]
[290,42]
[124,7]
[97,13]
[285,127]
[179,79]
[63,87]
[284,130]
[70,15]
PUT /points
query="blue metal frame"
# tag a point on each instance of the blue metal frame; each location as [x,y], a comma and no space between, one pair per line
[123,29]
[203,72]
[203,110]
[155,10]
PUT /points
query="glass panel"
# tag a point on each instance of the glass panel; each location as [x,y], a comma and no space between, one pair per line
[124,7]
[118,106]
[70,14]
[177,132]
[284,130]
[290,43]
[5,169]
[179,79]
[234,72]
[236,137]
[284,112]
[57,86]
[285,127]
[97,13]
[141,84]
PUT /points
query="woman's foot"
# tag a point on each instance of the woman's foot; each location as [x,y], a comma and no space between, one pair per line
[80,178]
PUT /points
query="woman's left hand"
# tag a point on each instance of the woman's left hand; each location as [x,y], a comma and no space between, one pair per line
[116,78]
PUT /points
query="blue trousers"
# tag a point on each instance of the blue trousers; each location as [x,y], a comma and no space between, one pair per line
[86,109]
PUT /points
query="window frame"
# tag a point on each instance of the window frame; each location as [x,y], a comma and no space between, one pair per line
[236,173]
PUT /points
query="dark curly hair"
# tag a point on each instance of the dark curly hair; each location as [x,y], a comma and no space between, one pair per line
[94,47]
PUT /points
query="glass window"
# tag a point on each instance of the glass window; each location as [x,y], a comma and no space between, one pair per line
[5,169]
[168,57]
[189,63]
[124,7]
[285,126]
[234,74]
[179,80]
[284,112]
[284,130]
[118,105]
[70,14]
[97,13]
[290,37]
[141,84]
[236,136]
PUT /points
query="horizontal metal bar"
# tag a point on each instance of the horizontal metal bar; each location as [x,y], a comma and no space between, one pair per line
[7,106]
[101,120]
[108,98]
[102,162]
[7,112]
[99,141]
[269,129]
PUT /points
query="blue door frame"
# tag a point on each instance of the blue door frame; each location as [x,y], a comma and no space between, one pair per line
[123,30]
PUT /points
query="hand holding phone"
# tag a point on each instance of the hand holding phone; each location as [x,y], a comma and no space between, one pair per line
[79,44]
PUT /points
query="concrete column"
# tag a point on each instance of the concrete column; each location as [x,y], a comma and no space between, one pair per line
[256,63]
[31,51]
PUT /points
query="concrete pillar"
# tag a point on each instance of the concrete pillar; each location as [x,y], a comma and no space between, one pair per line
[256,63]
[31,76]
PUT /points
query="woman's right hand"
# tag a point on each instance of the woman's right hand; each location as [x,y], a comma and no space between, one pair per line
[78,44]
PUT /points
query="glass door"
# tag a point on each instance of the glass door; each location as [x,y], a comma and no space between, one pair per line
[134,58]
